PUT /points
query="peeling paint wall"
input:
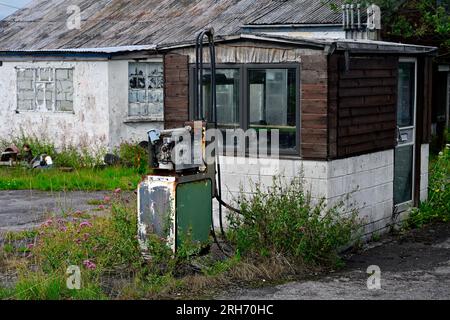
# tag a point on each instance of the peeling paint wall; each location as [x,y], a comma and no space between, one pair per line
[87,125]
[100,107]
[123,127]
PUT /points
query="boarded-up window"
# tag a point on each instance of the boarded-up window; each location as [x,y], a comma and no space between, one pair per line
[45,89]
[146,89]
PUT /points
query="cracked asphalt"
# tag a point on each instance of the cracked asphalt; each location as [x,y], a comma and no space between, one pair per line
[415,266]
[23,210]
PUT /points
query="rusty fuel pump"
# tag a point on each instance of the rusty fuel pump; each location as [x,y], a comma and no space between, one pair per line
[176,201]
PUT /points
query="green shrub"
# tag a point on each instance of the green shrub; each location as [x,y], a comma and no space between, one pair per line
[437,207]
[284,220]
[68,157]
[79,158]
[133,155]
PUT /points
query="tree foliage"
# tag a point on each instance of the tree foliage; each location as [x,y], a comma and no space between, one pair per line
[416,21]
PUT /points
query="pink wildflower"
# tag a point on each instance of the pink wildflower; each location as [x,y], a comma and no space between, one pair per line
[117,191]
[89,265]
[101,207]
[86,224]
[107,199]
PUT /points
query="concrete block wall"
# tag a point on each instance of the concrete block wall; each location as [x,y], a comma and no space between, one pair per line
[240,174]
[367,179]
[424,170]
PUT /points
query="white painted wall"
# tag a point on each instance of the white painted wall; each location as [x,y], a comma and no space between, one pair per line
[369,179]
[87,126]
[123,128]
[424,170]
[100,117]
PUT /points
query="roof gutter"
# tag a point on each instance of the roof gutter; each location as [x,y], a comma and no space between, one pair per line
[293,25]
[248,36]
[385,48]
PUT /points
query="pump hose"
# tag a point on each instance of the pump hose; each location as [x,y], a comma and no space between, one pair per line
[200,115]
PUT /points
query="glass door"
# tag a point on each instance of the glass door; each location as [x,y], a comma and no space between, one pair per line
[404,162]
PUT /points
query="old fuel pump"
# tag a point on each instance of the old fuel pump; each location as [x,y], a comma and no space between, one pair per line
[176,201]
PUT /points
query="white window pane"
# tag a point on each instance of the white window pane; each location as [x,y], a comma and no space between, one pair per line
[146,83]
[25,90]
[64,90]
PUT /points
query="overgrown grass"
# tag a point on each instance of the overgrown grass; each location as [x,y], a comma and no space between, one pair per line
[78,180]
[303,238]
[283,220]
[88,169]
[437,208]
[67,156]
[106,249]
[97,245]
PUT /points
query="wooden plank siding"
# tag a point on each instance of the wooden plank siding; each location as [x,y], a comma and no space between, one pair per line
[176,90]
[362,105]
[314,107]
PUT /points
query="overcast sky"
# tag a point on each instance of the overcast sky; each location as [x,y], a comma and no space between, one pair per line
[9,6]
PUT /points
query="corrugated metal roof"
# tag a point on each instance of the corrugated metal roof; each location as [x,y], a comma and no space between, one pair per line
[299,12]
[113,23]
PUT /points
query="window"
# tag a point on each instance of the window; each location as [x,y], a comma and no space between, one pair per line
[228,94]
[406,94]
[272,102]
[45,89]
[146,89]
[406,131]
[259,97]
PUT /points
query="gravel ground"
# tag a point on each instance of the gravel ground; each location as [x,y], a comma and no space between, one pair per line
[414,266]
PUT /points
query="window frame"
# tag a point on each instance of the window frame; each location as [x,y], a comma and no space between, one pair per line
[148,117]
[34,82]
[244,106]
